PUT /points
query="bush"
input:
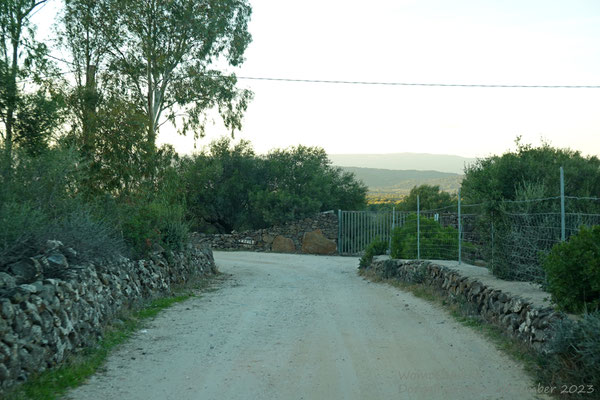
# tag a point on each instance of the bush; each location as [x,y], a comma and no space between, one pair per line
[147,226]
[574,351]
[20,224]
[91,237]
[41,201]
[573,271]
[375,248]
[436,242]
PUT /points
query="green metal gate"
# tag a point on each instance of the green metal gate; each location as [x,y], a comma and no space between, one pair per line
[356,229]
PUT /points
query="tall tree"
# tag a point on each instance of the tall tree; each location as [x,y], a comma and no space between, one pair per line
[16,34]
[81,34]
[162,51]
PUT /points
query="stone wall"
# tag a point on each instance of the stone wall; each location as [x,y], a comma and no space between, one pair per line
[522,311]
[288,238]
[51,307]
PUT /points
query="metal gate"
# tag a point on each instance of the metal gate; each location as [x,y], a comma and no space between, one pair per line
[356,229]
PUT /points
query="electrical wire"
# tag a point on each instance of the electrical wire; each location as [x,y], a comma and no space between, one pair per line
[342,82]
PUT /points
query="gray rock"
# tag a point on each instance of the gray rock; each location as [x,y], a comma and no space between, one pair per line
[517,305]
[4,374]
[7,281]
[7,309]
[25,271]
[28,289]
[57,260]
[52,245]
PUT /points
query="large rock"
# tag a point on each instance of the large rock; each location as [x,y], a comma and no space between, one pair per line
[316,243]
[25,271]
[281,244]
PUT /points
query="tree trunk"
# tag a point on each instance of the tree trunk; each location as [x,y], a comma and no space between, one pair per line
[11,105]
[90,101]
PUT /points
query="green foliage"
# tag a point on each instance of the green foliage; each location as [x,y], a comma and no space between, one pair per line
[300,182]
[219,184]
[436,242]
[573,271]
[375,248]
[574,352]
[41,202]
[229,187]
[149,225]
[163,52]
[430,198]
[499,178]
[27,119]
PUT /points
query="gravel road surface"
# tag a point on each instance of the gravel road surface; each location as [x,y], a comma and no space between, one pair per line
[304,327]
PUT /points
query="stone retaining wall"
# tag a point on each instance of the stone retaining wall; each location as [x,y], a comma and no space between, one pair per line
[287,238]
[63,308]
[519,316]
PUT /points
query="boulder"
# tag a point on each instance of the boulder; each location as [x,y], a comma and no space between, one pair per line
[7,281]
[316,243]
[268,239]
[26,270]
[281,244]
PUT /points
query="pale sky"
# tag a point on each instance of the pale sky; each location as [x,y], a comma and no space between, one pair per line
[527,42]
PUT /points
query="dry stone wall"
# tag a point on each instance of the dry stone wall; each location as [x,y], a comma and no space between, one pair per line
[317,235]
[51,308]
[520,317]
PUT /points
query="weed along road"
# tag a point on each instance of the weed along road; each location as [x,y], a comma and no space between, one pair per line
[305,327]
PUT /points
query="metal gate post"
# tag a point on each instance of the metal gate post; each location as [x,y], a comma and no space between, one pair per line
[339,242]
[418,229]
[563,235]
[459,231]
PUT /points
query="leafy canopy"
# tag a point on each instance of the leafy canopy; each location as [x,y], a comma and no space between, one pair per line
[229,187]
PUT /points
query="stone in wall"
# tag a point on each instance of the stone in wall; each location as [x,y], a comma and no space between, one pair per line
[281,244]
[316,243]
[262,239]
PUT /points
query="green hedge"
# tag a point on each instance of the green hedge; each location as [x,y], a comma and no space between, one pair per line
[573,271]
[436,242]
[375,248]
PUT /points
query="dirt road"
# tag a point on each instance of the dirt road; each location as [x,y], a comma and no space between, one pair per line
[305,327]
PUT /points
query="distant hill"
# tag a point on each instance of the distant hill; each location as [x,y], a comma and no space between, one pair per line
[403,161]
[399,182]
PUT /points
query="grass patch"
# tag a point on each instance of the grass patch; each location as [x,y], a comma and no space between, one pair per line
[55,382]
[464,313]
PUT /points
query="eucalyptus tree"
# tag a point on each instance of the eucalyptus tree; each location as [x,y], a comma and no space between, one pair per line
[81,34]
[21,59]
[166,53]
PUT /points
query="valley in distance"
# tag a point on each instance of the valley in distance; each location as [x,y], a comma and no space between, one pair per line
[390,177]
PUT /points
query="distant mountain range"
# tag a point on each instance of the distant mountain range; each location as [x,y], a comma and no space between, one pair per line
[404,161]
[399,182]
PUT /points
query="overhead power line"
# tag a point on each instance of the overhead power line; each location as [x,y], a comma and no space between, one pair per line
[418,84]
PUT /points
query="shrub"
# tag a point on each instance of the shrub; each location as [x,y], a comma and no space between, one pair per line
[436,242]
[573,271]
[90,236]
[574,351]
[20,223]
[375,248]
[156,223]
[41,201]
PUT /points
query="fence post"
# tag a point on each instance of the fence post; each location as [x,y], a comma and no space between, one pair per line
[562,205]
[492,241]
[418,229]
[339,242]
[392,229]
[459,231]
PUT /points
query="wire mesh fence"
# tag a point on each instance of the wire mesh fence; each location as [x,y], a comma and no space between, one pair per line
[511,238]
[359,228]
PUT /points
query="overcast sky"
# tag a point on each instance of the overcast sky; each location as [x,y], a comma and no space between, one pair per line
[527,42]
